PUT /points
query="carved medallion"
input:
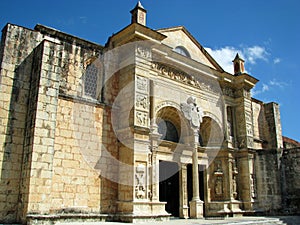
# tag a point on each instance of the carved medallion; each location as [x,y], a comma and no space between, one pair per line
[192,112]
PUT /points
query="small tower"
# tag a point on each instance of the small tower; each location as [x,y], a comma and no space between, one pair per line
[238,65]
[138,14]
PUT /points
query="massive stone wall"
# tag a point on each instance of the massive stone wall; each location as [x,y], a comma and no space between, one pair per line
[268,181]
[16,66]
[290,164]
[46,122]
[277,181]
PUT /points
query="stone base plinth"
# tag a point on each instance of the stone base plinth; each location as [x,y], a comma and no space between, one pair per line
[184,212]
[141,212]
[131,218]
[50,219]
[196,209]
[235,209]
[224,209]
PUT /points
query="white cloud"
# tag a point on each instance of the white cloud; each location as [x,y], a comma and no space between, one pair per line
[83,19]
[272,84]
[276,60]
[279,84]
[225,55]
[254,53]
[265,87]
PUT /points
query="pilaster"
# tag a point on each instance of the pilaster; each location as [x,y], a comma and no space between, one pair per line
[39,144]
[183,201]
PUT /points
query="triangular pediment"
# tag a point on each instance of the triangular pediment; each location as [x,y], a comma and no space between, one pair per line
[180,37]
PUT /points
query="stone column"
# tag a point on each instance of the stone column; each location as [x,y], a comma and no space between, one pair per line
[155,178]
[196,205]
[154,137]
[183,210]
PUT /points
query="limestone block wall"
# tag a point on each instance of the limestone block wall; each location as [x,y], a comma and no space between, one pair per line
[15,73]
[290,165]
[43,169]
[29,131]
[260,128]
[76,184]
[268,181]
[85,168]
[85,153]
[83,147]
[272,115]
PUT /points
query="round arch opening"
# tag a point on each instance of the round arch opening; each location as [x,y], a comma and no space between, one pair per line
[210,134]
[171,125]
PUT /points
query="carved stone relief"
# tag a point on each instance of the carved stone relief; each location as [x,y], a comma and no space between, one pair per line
[228,91]
[192,112]
[249,129]
[242,142]
[252,186]
[248,117]
[218,177]
[140,177]
[180,76]
[250,142]
[142,84]
[219,185]
[218,166]
[141,119]
[229,130]
[166,103]
[143,52]
[243,93]
[234,180]
[141,101]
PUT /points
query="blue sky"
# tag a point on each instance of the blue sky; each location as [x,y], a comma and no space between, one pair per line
[265,33]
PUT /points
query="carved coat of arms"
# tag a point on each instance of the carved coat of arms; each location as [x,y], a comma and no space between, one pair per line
[192,112]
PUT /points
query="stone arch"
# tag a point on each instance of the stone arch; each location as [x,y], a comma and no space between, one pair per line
[164,104]
[171,115]
[211,133]
[183,51]
[214,117]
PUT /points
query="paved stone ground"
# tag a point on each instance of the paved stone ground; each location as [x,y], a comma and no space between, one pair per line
[289,220]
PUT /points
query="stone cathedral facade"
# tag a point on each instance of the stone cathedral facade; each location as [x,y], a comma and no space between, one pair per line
[147,126]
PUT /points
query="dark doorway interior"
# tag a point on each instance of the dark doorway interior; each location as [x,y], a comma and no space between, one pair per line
[190,182]
[169,186]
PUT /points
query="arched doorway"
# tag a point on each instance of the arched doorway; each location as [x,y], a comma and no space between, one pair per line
[172,129]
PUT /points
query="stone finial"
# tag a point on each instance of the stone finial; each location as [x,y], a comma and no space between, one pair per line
[138,14]
[238,65]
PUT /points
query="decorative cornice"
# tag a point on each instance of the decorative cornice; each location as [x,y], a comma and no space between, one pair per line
[183,77]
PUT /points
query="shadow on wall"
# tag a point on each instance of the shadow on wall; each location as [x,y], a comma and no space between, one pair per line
[15,141]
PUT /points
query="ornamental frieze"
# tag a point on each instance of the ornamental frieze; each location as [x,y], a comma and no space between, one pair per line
[228,91]
[143,52]
[183,77]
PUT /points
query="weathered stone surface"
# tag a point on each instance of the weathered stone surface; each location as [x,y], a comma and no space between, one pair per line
[85,131]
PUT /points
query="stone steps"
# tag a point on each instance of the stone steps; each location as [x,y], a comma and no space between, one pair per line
[254,221]
[283,220]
